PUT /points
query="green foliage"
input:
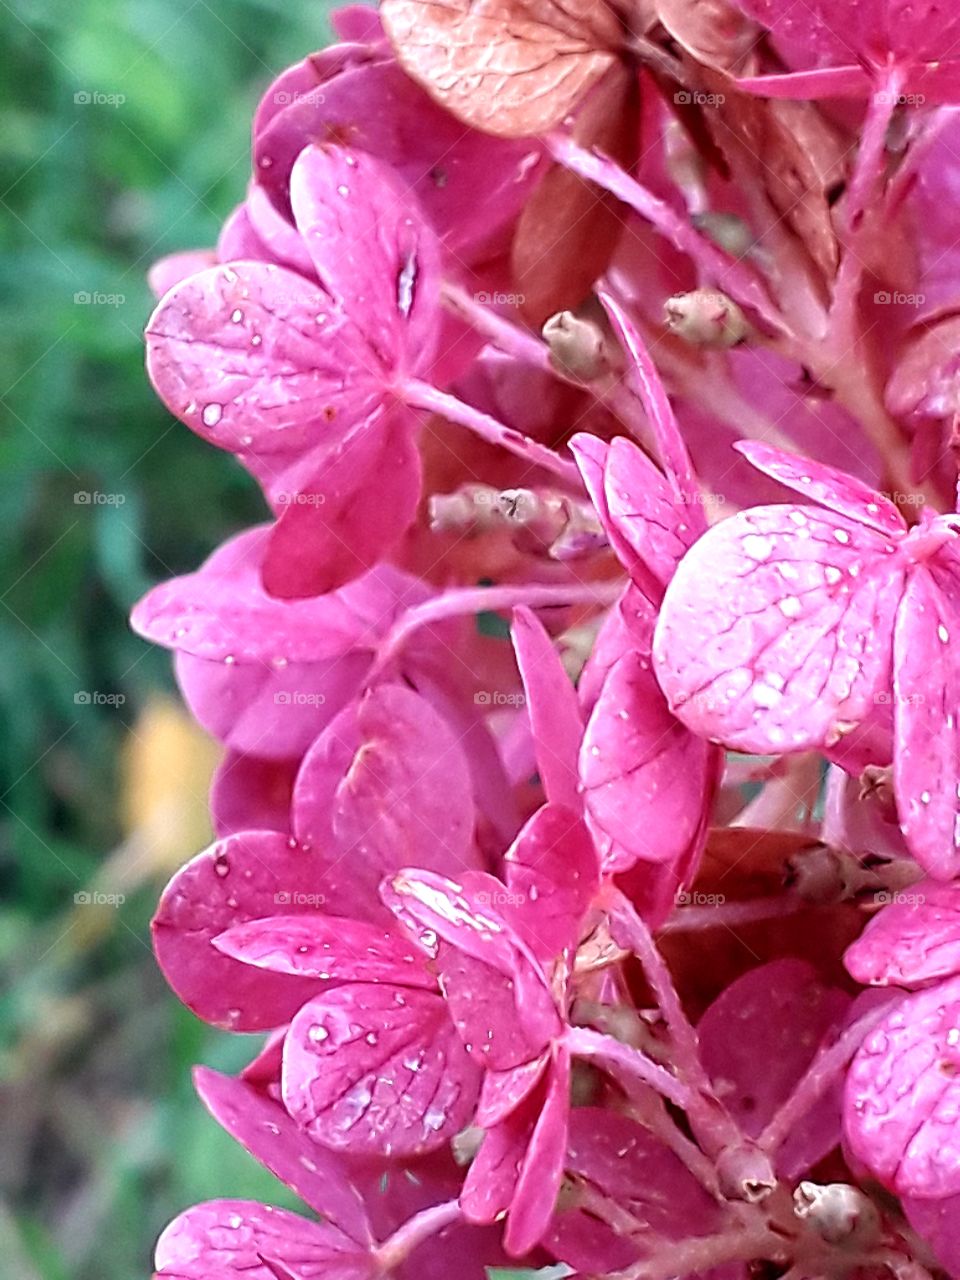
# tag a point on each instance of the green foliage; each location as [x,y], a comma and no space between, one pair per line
[123,135]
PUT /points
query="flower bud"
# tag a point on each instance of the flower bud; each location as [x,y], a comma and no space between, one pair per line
[706,318]
[838,1213]
[577,346]
[745,1173]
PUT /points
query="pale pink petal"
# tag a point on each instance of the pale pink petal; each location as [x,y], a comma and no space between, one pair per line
[902,1104]
[538,1180]
[913,941]
[552,707]
[776,632]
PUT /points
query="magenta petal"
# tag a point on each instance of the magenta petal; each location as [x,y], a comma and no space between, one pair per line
[781,1014]
[553,709]
[240,878]
[349,515]
[223,614]
[249,794]
[938,1222]
[654,524]
[503,1091]
[233,1237]
[318,946]
[538,1181]
[168,271]
[645,776]
[913,941]
[775,633]
[386,785]
[553,872]
[902,1104]
[379,1070]
[372,250]
[268,1133]
[253,358]
[926,763]
[816,482]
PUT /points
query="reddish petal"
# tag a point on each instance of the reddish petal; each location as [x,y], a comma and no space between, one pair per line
[552,707]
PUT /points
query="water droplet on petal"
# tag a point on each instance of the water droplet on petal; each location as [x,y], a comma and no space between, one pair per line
[212,413]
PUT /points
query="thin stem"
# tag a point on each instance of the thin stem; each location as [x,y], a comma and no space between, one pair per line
[817,1078]
[420,395]
[471,600]
[396,1248]
[739,281]
[500,332]
[703,1253]
[625,1064]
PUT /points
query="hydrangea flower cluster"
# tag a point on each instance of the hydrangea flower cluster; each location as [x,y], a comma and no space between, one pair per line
[588,825]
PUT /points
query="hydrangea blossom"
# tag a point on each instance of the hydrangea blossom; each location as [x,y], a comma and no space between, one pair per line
[587,835]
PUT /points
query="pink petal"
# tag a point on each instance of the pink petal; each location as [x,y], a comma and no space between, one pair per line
[379,1070]
[249,794]
[552,870]
[372,250]
[657,528]
[938,1222]
[168,271]
[222,612]
[319,946]
[538,1181]
[553,709]
[913,941]
[265,1130]
[349,515]
[241,878]
[902,1098]
[816,482]
[780,1014]
[503,1091]
[645,776]
[252,357]
[775,633]
[232,1237]
[926,764]
[386,785]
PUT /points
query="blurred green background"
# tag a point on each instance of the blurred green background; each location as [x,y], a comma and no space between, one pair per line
[123,136]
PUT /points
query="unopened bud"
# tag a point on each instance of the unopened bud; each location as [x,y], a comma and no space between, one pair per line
[745,1173]
[577,346]
[706,318]
[824,875]
[876,784]
[838,1213]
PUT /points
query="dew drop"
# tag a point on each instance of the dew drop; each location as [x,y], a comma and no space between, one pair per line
[236,316]
[212,413]
[318,1034]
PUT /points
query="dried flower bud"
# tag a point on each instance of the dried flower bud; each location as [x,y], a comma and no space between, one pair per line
[822,874]
[838,1213]
[706,318]
[745,1173]
[577,346]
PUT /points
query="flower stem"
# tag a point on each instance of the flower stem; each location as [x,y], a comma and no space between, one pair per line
[396,1248]
[420,395]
